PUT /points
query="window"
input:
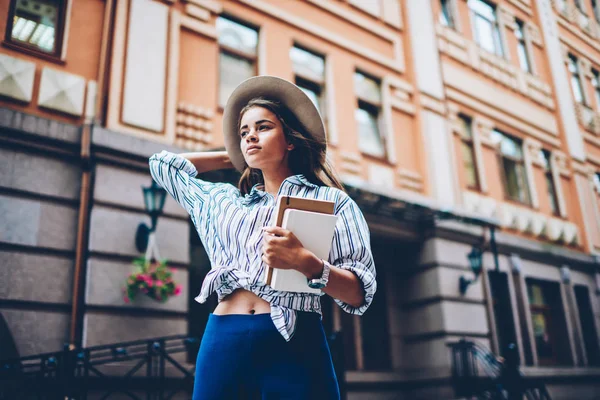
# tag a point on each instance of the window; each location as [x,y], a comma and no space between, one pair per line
[367,114]
[575,79]
[37,26]
[596,10]
[485,26]
[503,316]
[468,153]
[513,167]
[237,55]
[596,84]
[309,71]
[522,47]
[549,325]
[550,186]
[446,14]
[597,181]
[588,328]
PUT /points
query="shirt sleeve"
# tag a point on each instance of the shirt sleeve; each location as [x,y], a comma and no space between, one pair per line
[176,175]
[351,250]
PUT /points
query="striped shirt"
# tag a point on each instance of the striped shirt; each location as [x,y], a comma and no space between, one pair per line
[229,225]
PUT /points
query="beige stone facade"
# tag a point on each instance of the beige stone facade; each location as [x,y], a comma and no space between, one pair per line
[486,109]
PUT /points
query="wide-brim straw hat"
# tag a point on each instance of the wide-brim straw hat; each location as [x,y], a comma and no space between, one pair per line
[271,88]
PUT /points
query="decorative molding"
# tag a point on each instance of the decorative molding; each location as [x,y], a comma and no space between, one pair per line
[61,91]
[194,126]
[210,5]
[523,220]
[350,163]
[497,68]
[365,23]
[588,118]
[396,63]
[533,148]
[199,13]
[432,104]
[16,78]
[199,27]
[506,17]
[535,35]
[508,119]
[484,127]
[523,5]
[410,180]
[90,101]
[559,162]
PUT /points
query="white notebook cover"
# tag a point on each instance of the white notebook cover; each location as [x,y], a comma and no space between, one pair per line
[315,232]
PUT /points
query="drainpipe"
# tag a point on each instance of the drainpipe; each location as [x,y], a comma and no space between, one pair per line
[85,196]
[96,115]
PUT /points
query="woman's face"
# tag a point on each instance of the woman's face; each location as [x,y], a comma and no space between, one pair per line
[262,140]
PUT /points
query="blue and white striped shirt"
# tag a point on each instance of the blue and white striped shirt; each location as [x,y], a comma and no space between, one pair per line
[229,225]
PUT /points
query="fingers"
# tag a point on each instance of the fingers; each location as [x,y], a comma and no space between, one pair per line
[275,230]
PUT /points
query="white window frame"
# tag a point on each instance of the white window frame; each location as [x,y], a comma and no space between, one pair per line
[499,42]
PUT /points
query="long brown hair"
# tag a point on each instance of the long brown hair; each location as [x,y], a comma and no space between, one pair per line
[307,158]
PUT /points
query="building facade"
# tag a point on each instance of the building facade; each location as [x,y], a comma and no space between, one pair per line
[482,109]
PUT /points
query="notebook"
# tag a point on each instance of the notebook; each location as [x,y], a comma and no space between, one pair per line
[315,232]
[285,203]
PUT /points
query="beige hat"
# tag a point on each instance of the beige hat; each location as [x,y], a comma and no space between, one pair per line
[272,88]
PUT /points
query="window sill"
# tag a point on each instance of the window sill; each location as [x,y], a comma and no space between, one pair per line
[383,159]
[519,203]
[33,53]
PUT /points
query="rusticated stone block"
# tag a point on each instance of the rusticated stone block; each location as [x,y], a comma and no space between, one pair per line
[34,173]
[36,332]
[102,328]
[33,277]
[36,223]
[124,187]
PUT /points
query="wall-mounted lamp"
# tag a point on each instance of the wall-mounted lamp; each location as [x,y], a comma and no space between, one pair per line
[154,201]
[475,261]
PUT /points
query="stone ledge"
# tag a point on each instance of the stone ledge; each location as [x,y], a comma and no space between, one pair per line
[32,124]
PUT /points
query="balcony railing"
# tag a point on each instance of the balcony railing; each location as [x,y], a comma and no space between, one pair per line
[478,373]
[152,369]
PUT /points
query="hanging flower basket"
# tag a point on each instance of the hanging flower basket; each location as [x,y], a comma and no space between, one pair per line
[151,278]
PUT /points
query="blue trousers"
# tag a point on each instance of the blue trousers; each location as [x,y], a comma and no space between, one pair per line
[245,357]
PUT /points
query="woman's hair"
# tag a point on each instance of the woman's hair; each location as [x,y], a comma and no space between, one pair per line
[307,158]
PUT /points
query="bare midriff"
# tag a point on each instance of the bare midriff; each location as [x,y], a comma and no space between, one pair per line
[242,301]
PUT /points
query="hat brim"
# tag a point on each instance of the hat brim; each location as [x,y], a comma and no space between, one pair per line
[272,88]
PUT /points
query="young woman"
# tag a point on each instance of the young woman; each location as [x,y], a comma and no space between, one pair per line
[260,341]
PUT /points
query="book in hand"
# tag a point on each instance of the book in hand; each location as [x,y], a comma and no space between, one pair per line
[313,223]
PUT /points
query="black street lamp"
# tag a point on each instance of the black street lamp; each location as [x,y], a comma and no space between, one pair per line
[154,200]
[475,261]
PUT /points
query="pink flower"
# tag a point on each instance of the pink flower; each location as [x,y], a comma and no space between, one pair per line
[141,277]
[177,290]
[159,283]
[126,299]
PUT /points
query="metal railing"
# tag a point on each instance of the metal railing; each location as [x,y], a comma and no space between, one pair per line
[139,369]
[478,373]
[143,369]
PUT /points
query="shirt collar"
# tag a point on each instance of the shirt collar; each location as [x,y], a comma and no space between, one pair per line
[257,192]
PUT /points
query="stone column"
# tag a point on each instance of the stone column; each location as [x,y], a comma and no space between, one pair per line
[437,137]
[564,94]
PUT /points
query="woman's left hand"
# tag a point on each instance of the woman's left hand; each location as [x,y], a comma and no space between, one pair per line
[283,250]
